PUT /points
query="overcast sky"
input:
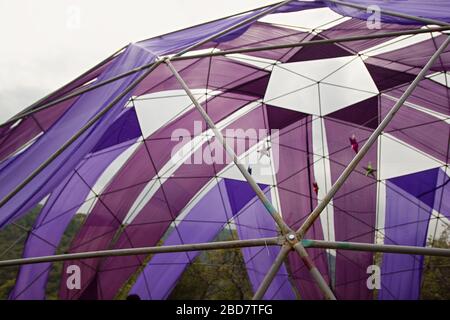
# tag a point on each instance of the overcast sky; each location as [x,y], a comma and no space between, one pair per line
[47,43]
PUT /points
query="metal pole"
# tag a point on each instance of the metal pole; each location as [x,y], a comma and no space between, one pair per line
[274,241]
[372,139]
[355,246]
[321,283]
[268,205]
[392,13]
[76,136]
[236,26]
[146,250]
[313,42]
[76,93]
[264,285]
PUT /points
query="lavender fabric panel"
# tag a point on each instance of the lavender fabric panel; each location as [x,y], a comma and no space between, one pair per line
[354,208]
[406,223]
[430,9]
[49,227]
[442,194]
[201,224]
[255,222]
[71,122]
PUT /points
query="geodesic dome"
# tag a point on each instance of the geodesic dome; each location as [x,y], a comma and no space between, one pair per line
[296,90]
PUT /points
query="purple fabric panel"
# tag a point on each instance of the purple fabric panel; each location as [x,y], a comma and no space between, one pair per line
[84,109]
[417,55]
[442,194]
[421,185]
[295,180]
[354,208]
[254,222]
[356,27]
[13,139]
[406,224]
[105,218]
[428,94]
[125,128]
[200,225]
[386,78]
[156,81]
[431,9]
[53,220]
[418,129]
[164,206]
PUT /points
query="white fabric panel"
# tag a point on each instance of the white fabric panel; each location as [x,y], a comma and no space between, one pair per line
[157,109]
[441,78]
[398,159]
